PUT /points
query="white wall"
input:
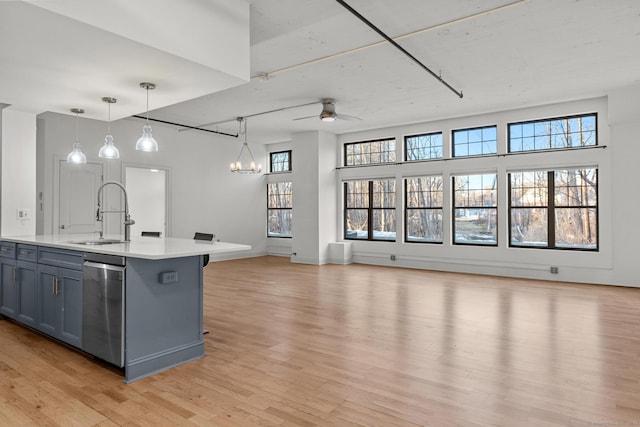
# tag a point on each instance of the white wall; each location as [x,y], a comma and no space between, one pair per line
[18,172]
[313,196]
[624,121]
[205,196]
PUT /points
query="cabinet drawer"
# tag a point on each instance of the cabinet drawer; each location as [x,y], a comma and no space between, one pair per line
[60,258]
[27,252]
[8,250]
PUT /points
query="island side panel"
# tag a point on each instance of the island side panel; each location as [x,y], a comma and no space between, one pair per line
[163,314]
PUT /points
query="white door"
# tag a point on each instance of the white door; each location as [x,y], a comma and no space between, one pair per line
[78,196]
[147,190]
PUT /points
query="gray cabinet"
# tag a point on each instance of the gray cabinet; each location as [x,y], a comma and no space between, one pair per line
[59,290]
[18,295]
[26,289]
[8,287]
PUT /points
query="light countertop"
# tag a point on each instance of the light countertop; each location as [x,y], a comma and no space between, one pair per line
[139,247]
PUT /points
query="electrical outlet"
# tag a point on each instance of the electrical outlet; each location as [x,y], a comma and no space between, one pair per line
[392,257]
[554,270]
[23,214]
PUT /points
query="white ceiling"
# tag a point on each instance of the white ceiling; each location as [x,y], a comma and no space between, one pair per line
[502,54]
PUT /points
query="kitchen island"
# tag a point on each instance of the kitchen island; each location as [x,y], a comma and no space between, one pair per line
[162,298]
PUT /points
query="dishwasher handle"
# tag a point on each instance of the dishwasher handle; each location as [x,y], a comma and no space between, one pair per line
[103,266]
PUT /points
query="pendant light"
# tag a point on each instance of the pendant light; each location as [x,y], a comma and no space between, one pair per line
[76,155]
[246,162]
[109,150]
[146,141]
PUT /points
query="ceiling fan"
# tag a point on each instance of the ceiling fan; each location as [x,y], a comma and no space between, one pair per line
[329,114]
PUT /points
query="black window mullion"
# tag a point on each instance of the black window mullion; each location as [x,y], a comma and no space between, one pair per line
[510,212]
[370,212]
[551,212]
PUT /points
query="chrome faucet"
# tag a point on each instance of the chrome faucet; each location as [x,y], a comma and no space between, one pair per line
[128,222]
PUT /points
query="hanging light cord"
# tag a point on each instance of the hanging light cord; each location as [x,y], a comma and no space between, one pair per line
[109,118]
[147,105]
[77,127]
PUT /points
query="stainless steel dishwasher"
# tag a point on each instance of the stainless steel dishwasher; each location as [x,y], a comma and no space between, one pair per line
[103,307]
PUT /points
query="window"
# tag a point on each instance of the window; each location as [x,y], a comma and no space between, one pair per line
[370,152]
[474,142]
[370,210]
[423,147]
[423,209]
[554,209]
[553,134]
[280,161]
[279,209]
[475,209]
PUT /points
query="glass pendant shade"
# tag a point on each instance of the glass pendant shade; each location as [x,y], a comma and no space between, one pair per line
[245,163]
[146,141]
[109,150]
[76,155]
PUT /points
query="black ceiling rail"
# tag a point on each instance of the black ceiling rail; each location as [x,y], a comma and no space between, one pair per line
[185,126]
[403,50]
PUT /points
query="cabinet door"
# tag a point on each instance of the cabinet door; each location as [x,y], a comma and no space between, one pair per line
[26,307]
[8,293]
[48,301]
[71,307]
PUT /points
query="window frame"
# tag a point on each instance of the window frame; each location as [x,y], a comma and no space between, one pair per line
[551,211]
[480,128]
[429,134]
[389,152]
[370,210]
[272,153]
[454,207]
[569,117]
[407,208]
[269,209]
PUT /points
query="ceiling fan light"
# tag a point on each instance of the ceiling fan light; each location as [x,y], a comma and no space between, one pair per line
[327,117]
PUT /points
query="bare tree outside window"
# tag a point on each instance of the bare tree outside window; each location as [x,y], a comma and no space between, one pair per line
[280,161]
[475,209]
[279,209]
[370,152]
[423,209]
[423,147]
[553,134]
[369,211]
[554,209]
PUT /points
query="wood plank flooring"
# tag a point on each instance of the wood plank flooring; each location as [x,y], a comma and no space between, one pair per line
[299,345]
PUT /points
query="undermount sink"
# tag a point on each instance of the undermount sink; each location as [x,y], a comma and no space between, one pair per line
[96,242]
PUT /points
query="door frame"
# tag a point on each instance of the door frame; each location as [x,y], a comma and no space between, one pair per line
[168,185]
[55,225]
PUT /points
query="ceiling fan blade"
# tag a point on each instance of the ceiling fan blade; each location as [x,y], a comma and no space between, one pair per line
[307,117]
[347,117]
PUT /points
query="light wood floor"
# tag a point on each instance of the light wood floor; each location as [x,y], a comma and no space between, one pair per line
[298,345]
